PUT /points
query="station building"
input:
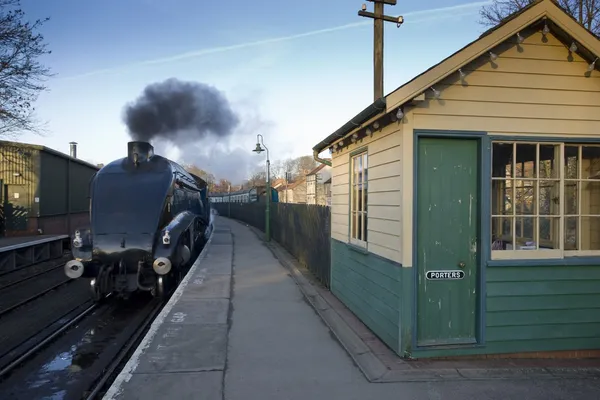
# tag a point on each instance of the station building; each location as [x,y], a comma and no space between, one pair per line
[466,203]
[44,191]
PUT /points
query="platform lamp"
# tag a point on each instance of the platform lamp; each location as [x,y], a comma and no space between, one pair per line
[259,149]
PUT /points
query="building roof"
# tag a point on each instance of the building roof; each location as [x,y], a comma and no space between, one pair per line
[277,182]
[318,167]
[561,24]
[293,185]
[47,150]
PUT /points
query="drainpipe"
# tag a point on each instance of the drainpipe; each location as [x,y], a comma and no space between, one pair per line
[316,157]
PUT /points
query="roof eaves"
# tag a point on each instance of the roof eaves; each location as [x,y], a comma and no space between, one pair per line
[378,107]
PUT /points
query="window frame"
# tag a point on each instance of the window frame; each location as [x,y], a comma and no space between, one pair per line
[551,254]
[362,154]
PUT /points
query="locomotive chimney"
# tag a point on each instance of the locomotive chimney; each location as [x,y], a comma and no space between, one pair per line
[73,149]
[139,151]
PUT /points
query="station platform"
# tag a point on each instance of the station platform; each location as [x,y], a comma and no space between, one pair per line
[22,251]
[242,326]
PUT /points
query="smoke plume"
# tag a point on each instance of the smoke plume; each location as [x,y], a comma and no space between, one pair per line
[198,123]
[180,112]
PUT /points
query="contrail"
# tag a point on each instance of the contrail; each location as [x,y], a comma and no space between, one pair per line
[437,14]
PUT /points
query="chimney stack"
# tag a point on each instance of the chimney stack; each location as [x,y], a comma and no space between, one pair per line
[73,149]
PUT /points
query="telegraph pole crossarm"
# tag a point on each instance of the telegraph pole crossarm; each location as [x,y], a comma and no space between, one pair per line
[378,16]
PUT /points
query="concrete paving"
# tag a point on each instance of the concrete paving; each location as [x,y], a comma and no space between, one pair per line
[253,335]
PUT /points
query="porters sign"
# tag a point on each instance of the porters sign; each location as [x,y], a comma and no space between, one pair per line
[439,275]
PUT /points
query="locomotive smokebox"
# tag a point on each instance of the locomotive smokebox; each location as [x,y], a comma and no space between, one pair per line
[138,152]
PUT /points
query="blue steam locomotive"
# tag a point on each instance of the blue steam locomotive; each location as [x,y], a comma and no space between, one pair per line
[149,220]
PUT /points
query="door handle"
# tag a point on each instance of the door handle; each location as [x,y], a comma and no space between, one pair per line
[462,264]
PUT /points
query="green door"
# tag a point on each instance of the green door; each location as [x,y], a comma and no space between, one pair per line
[447,246]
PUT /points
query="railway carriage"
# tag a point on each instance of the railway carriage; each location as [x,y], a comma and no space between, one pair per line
[255,194]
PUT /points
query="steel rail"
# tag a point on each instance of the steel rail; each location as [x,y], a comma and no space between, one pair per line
[134,340]
[47,340]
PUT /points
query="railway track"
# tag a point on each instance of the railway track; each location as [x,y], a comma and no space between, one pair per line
[81,357]
[20,275]
[44,340]
[18,295]
[99,387]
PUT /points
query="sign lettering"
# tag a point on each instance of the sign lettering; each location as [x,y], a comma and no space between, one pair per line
[439,275]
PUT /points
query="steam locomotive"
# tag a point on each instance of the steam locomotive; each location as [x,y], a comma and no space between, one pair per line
[149,219]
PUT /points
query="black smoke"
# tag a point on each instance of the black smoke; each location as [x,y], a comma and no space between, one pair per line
[180,112]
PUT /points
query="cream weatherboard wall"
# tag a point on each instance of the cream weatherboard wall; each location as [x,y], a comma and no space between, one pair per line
[384,192]
[535,88]
[371,283]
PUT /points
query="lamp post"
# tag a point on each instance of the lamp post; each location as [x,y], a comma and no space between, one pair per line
[258,150]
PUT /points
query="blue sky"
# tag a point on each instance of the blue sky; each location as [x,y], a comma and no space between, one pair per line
[294,71]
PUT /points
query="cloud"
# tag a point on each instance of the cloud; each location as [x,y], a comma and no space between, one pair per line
[423,15]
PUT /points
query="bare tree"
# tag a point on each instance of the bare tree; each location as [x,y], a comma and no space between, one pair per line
[21,74]
[586,12]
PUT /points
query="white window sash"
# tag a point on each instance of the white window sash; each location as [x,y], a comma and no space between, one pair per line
[541,254]
[357,181]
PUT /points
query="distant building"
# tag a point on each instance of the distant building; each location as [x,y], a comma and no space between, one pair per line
[315,185]
[327,185]
[294,192]
[277,183]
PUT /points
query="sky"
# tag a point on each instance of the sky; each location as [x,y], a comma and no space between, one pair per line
[293,72]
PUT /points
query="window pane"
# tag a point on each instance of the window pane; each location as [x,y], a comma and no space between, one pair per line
[590,233]
[355,169]
[366,203]
[549,165]
[525,197]
[359,203]
[526,156]
[590,198]
[571,233]
[365,170]
[525,232]
[502,229]
[366,220]
[502,158]
[590,162]
[502,197]
[549,233]
[359,226]
[571,198]
[353,223]
[571,162]
[549,198]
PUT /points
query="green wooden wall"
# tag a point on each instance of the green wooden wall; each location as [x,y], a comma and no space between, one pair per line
[543,308]
[537,308]
[370,287]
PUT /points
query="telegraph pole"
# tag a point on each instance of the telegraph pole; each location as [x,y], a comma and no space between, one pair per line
[378,17]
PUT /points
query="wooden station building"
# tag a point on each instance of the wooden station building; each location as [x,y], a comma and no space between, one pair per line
[466,203]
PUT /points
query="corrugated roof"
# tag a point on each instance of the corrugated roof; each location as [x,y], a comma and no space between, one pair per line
[47,150]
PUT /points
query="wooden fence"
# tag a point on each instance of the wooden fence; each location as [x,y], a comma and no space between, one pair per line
[302,229]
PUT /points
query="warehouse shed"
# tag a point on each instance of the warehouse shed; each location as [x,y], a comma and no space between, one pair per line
[466,203]
[44,191]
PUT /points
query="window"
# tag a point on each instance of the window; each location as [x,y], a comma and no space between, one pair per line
[545,200]
[358,199]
